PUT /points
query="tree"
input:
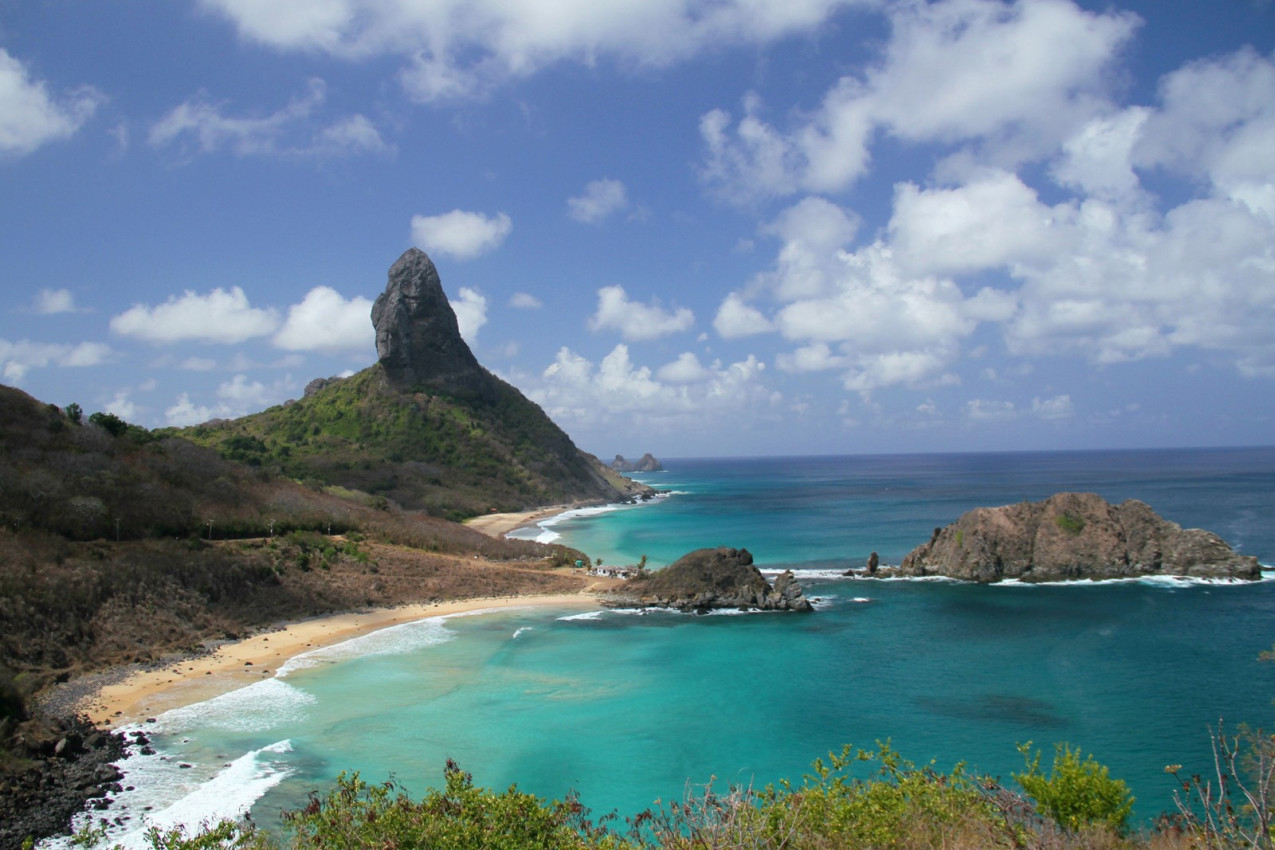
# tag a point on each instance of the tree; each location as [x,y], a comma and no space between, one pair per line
[109,423]
[74,412]
[1077,793]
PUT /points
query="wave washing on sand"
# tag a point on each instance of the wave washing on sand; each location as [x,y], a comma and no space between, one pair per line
[542,530]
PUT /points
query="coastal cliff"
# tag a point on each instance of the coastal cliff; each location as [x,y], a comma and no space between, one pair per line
[709,579]
[1072,536]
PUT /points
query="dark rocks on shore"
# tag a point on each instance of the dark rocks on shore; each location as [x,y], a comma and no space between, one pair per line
[68,765]
[1072,536]
[708,579]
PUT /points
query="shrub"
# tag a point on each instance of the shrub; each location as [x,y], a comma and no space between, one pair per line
[1078,793]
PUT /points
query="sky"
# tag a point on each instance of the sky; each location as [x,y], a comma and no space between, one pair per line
[685,227]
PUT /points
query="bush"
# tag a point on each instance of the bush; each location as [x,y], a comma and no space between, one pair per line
[1078,793]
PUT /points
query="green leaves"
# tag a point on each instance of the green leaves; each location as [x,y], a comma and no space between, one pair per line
[1078,793]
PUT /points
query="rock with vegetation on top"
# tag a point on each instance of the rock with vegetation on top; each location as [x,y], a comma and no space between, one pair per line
[712,578]
[1073,536]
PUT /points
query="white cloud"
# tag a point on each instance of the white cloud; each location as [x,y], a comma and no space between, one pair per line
[18,358]
[220,316]
[198,364]
[992,221]
[524,301]
[198,126]
[122,406]
[637,321]
[185,412]
[471,313]
[48,302]
[685,393]
[983,410]
[736,318]
[686,369]
[325,321]
[463,235]
[601,198]
[464,48]
[31,117]
[1058,407]
[1218,121]
[1014,80]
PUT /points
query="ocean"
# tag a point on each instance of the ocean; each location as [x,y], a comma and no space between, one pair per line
[624,708]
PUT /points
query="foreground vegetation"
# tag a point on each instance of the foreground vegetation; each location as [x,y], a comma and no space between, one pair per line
[898,805]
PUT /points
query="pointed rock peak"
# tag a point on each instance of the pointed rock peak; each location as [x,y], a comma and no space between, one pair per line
[417,339]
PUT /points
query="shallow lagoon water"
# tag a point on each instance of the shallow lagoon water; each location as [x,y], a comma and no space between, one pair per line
[625,708]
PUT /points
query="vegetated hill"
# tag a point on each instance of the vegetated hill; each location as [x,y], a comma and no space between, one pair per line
[449,456]
[427,427]
[118,545]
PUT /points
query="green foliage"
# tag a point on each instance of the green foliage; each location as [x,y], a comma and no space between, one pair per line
[1070,523]
[74,412]
[110,423]
[1078,793]
[357,815]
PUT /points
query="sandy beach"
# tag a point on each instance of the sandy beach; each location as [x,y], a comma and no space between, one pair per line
[498,525]
[150,692]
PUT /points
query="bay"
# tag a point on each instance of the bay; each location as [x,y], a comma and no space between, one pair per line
[625,708]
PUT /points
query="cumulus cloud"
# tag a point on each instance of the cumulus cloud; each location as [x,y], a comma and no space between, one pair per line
[325,321]
[48,302]
[1013,79]
[200,126]
[18,358]
[220,316]
[237,397]
[863,312]
[601,198]
[524,301]
[636,321]
[736,318]
[685,393]
[31,117]
[464,48]
[1058,407]
[460,234]
[471,313]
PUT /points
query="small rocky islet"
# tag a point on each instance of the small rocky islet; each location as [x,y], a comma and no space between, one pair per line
[1070,537]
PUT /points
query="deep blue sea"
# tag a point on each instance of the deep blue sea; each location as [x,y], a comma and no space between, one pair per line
[625,708]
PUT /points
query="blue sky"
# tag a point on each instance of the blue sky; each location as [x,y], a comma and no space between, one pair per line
[734,227]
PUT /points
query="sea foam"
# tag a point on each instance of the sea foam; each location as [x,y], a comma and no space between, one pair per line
[168,795]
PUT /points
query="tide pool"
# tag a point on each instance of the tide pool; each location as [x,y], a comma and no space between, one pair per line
[624,708]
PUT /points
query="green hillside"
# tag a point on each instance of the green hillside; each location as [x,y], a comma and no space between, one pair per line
[452,457]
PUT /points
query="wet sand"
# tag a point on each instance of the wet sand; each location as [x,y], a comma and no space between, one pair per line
[498,525]
[147,693]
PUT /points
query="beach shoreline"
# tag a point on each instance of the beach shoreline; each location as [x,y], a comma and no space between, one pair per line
[499,525]
[147,693]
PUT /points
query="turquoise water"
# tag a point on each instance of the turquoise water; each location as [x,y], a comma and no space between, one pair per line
[626,708]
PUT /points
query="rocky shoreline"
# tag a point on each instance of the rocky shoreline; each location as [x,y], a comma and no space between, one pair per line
[70,768]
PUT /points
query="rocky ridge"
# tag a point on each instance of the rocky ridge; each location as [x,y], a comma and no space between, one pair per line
[1072,536]
[708,579]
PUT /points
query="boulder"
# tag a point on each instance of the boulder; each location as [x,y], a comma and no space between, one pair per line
[707,579]
[1072,536]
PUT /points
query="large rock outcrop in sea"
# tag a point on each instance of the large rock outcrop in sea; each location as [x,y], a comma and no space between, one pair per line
[1072,536]
[712,578]
[647,463]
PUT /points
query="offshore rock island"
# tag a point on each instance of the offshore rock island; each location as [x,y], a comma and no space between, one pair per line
[1073,536]
[710,579]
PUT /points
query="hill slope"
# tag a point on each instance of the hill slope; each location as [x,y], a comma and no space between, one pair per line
[427,427]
